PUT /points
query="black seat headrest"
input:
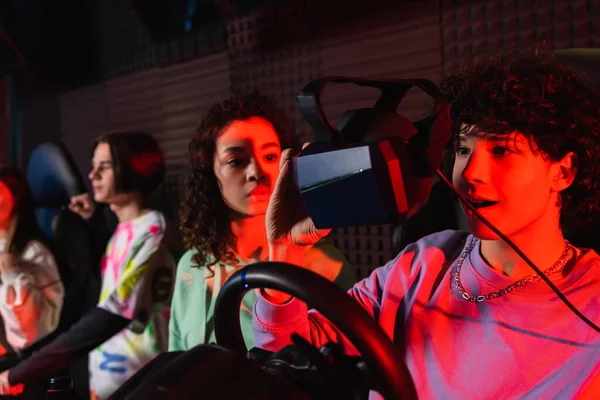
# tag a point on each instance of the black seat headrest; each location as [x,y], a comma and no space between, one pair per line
[53,175]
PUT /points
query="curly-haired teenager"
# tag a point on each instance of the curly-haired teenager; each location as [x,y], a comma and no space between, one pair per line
[233,163]
[468,312]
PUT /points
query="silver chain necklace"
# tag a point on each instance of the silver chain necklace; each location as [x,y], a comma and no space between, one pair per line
[455,276]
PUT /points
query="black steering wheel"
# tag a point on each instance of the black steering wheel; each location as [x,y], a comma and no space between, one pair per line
[382,356]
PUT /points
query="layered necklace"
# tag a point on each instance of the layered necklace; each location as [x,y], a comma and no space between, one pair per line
[455,276]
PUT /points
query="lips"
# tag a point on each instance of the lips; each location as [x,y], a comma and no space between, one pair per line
[259,191]
[481,203]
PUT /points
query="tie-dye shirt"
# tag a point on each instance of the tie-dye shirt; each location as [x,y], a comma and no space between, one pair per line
[137,283]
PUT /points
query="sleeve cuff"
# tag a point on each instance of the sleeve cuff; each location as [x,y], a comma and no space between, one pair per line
[269,314]
[112,306]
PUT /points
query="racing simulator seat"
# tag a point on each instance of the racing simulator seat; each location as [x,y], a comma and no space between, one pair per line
[54,179]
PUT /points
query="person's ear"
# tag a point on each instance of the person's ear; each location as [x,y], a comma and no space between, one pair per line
[564,172]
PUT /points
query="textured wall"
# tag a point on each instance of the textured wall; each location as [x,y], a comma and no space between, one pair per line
[121,44]
[277,71]
[472,27]
[83,118]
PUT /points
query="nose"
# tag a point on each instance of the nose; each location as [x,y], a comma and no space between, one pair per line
[93,174]
[475,169]
[255,172]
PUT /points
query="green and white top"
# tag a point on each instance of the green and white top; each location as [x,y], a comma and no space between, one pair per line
[196,291]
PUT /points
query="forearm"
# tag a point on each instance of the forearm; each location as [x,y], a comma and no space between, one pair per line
[290,254]
[96,327]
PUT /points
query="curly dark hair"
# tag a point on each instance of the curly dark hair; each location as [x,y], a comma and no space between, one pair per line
[204,218]
[531,92]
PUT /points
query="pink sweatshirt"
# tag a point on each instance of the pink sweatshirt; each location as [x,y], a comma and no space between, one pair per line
[526,344]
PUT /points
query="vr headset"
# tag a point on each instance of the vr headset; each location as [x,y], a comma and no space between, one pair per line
[378,166]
